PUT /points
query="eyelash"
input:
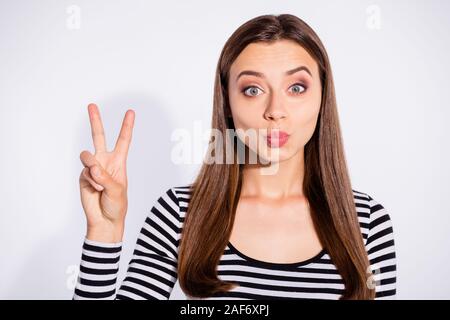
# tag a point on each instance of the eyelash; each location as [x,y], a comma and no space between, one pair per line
[298,83]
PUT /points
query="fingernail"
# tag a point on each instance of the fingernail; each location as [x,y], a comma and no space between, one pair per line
[96,171]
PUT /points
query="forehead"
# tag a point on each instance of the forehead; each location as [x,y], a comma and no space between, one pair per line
[280,55]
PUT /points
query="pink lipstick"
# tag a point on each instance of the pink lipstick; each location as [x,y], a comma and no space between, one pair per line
[276,139]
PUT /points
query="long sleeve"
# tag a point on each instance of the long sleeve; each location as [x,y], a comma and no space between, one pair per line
[98,270]
[380,247]
[152,270]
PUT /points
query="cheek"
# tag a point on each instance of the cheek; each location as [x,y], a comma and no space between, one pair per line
[306,122]
[309,109]
[242,122]
[244,117]
[243,110]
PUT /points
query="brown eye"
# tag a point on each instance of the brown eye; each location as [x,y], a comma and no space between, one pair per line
[251,91]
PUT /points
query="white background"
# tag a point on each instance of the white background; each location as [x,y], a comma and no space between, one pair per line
[159,59]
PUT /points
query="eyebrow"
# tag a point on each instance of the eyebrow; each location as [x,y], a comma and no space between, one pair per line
[261,75]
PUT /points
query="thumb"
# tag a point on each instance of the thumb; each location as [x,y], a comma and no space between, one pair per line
[103,178]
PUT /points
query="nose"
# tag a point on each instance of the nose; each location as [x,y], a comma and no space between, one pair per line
[275,111]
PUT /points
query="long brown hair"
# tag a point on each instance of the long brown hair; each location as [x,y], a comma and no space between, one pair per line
[216,190]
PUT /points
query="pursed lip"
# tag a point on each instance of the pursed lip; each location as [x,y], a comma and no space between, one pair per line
[277,134]
[277,138]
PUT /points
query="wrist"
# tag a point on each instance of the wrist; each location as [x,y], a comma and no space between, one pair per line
[106,233]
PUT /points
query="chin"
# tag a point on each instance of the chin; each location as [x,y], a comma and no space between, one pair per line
[275,155]
[276,159]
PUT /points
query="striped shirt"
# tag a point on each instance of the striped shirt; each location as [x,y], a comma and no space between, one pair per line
[152,271]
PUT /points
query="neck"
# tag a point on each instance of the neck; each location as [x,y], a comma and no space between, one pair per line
[284,182]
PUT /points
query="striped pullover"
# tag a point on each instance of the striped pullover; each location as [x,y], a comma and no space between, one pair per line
[152,271]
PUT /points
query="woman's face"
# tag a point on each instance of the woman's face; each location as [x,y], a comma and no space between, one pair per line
[275,86]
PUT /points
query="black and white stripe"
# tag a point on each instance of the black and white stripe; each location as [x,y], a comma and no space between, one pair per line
[152,271]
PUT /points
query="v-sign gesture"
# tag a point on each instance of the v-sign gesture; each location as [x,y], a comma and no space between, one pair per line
[104,195]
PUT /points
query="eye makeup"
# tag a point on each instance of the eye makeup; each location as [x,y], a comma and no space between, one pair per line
[245,88]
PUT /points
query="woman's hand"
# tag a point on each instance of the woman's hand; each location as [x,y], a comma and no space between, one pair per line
[104,196]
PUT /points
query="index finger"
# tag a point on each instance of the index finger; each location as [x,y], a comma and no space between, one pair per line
[98,133]
[124,139]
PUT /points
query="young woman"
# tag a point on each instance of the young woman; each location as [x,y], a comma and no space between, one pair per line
[296,230]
